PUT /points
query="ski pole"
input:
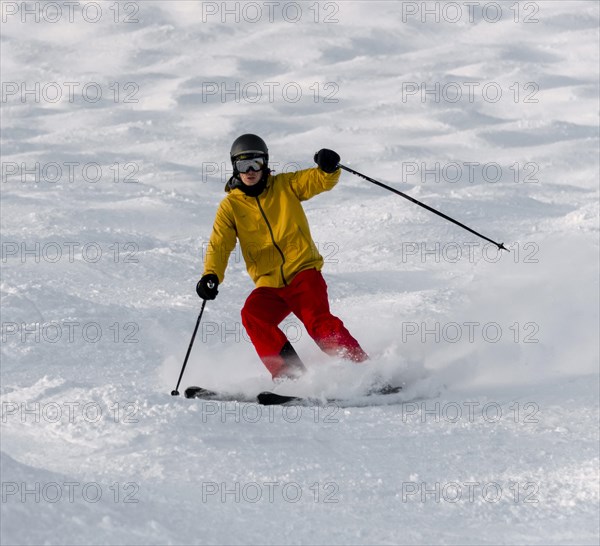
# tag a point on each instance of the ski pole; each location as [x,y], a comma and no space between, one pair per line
[427,207]
[176,391]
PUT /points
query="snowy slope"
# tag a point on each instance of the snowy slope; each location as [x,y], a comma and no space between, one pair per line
[116,123]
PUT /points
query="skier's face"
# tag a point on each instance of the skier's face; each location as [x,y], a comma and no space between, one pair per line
[251,177]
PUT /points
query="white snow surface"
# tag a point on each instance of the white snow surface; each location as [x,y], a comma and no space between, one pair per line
[494,438]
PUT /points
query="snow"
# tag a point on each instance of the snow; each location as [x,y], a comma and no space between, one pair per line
[494,439]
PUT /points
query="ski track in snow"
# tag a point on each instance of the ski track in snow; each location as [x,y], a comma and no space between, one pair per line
[494,438]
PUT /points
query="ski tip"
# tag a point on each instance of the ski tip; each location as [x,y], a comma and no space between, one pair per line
[196,392]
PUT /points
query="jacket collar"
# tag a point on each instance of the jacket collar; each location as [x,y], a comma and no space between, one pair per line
[253,191]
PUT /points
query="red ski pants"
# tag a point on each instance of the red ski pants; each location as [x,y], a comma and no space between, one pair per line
[306,297]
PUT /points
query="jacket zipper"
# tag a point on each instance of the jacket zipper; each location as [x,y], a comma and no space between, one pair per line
[273,239]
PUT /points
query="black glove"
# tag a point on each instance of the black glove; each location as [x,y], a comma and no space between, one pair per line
[207,287]
[327,160]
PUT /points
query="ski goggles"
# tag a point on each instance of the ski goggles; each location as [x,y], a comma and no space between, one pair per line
[249,162]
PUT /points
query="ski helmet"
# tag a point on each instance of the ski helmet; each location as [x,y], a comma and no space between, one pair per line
[249,144]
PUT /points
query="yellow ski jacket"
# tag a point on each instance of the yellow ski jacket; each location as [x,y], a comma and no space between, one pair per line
[272,228]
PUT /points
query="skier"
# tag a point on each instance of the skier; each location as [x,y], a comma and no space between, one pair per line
[264,212]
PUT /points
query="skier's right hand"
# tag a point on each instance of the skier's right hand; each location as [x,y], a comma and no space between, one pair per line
[207,287]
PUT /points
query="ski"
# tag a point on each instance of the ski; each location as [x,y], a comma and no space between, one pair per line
[265,398]
[207,394]
[268,398]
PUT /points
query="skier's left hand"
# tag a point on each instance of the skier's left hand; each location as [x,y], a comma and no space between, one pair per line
[327,160]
